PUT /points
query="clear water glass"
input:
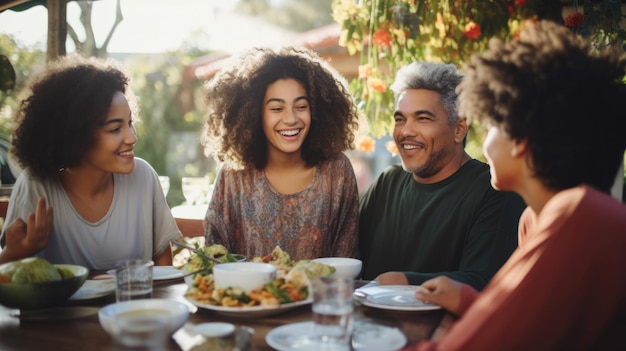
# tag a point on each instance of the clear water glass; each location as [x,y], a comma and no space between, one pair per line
[332,308]
[133,279]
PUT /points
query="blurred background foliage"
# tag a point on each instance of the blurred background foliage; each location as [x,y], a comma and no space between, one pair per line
[167,138]
[388,34]
[385,34]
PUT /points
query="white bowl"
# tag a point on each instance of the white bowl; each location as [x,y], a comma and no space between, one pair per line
[214,329]
[246,276]
[175,313]
[344,266]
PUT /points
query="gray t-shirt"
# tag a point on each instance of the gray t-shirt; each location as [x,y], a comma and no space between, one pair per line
[139,223]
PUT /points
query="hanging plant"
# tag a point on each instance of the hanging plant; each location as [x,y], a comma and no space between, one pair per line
[387,34]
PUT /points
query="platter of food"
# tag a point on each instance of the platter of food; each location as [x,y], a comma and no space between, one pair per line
[250,311]
[288,289]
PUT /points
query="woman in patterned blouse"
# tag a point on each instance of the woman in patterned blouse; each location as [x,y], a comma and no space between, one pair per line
[279,121]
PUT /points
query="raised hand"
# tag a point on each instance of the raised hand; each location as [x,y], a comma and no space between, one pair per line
[25,239]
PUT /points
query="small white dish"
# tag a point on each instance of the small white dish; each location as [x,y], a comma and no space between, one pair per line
[214,330]
[176,313]
[344,266]
[246,276]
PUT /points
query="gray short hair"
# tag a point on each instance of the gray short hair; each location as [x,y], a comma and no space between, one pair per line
[440,77]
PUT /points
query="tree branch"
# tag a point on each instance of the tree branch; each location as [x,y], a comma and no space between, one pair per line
[119,17]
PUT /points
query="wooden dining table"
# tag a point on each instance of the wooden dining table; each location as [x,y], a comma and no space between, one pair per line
[75,325]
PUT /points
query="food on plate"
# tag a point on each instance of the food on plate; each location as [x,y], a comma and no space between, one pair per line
[198,262]
[32,270]
[291,284]
[278,258]
[301,271]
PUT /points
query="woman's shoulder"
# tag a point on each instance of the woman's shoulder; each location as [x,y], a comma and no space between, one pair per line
[340,161]
[143,169]
[27,182]
[143,165]
[143,174]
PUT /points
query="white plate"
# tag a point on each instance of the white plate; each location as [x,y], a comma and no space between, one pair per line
[93,289]
[367,337]
[160,272]
[251,311]
[394,297]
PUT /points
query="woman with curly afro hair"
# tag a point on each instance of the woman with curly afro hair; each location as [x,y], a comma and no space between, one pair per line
[279,121]
[554,108]
[75,138]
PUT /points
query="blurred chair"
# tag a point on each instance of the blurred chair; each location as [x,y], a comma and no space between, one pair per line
[193,234]
[190,227]
[4,205]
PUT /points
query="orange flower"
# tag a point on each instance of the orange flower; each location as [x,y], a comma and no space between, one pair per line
[366,71]
[392,148]
[366,144]
[382,37]
[520,2]
[441,27]
[574,20]
[376,84]
[472,30]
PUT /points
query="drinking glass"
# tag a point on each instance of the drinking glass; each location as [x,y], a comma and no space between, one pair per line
[133,279]
[165,184]
[193,188]
[332,308]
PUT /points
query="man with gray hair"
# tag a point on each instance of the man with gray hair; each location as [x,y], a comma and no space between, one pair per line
[437,213]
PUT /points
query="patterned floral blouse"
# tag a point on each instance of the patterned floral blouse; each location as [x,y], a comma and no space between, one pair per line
[249,217]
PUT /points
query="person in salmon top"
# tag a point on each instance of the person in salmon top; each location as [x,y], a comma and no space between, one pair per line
[555,114]
[75,137]
[279,121]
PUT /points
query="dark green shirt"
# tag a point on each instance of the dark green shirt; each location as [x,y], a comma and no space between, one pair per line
[460,227]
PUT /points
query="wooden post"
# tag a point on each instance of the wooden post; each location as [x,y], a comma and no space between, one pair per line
[57,28]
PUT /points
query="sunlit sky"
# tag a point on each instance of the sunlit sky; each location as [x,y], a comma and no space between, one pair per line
[153,26]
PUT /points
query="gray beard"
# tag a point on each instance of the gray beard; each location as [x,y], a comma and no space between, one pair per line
[431,167]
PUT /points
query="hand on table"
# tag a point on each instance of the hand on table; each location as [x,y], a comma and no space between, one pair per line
[26,239]
[392,278]
[441,291]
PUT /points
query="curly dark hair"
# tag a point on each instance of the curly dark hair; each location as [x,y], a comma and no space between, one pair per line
[233,131]
[550,87]
[65,103]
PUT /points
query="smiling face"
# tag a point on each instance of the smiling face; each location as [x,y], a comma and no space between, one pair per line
[426,141]
[115,139]
[286,117]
